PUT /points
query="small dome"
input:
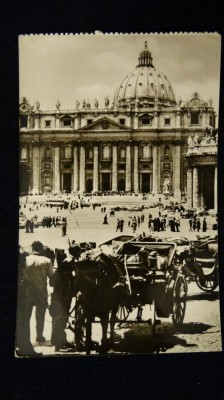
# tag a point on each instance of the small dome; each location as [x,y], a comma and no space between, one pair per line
[145,84]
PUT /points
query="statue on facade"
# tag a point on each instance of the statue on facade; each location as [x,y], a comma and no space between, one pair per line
[107,101]
[96,104]
[84,104]
[166,185]
[190,141]
[88,105]
[196,137]
[58,105]
[210,102]
[77,104]
[37,104]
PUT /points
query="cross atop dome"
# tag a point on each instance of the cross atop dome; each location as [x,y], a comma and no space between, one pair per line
[145,58]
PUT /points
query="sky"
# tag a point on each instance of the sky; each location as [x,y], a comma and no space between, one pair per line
[76,67]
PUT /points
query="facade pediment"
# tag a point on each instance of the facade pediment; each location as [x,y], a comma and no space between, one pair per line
[104,124]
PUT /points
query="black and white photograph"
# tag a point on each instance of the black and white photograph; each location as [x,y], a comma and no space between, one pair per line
[118,194]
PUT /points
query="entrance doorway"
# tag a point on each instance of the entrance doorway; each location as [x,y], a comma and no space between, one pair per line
[121,184]
[67,182]
[145,183]
[207,186]
[89,185]
[105,181]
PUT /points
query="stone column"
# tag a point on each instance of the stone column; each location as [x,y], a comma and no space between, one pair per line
[155,169]
[114,167]
[176,171]
[128,168]
[136,180]
[56,168]
[82,168]
[95,168]
[216,188]
[189,188]
[75,169]
[195,187]
[36,168]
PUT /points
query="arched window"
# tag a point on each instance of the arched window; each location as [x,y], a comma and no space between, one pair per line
[146,151]
[122,152]
[166,152]
[68,152]
[106,152]
[24,153]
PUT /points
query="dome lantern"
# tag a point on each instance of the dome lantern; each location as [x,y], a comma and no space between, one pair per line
[145,58]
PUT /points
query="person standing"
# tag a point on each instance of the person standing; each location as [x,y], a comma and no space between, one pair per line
[121,224]
[198,224]
[37,270]
[204,225]
[61,298]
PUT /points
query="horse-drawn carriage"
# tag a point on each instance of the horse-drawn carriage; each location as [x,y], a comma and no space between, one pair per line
[154,278]
[111,286]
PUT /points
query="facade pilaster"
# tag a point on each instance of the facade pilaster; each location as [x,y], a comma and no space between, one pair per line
[95,168]
[82,185]
[75,169]
[195,187]
[136,180]
[176,170]
[189,188]
[56,168]
[128,168]
[155,168]
[36,168]
[114,167]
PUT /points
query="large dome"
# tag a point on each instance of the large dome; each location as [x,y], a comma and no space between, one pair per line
[144,85]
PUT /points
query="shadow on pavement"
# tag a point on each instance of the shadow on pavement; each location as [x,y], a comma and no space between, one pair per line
[138,338]
[203,296]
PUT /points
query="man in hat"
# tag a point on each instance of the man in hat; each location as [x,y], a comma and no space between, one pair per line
[62,282]
[38,268]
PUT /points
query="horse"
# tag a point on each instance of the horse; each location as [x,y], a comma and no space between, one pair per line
[100,286]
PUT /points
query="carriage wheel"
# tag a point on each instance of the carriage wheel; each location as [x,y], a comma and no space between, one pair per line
[179,299]
[210,282]
[80,326]
[122,314]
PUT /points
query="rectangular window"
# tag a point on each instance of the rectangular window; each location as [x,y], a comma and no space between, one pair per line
[194,119]
[47,123]
[145,121]
[67,165]
[167,121]
[23,121]
[122,121]
[211,121]
[89,121]
[67,122]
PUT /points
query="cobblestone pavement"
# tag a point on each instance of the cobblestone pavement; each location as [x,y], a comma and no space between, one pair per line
[201,330]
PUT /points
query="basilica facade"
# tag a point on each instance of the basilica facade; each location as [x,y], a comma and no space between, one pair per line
[139,143]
